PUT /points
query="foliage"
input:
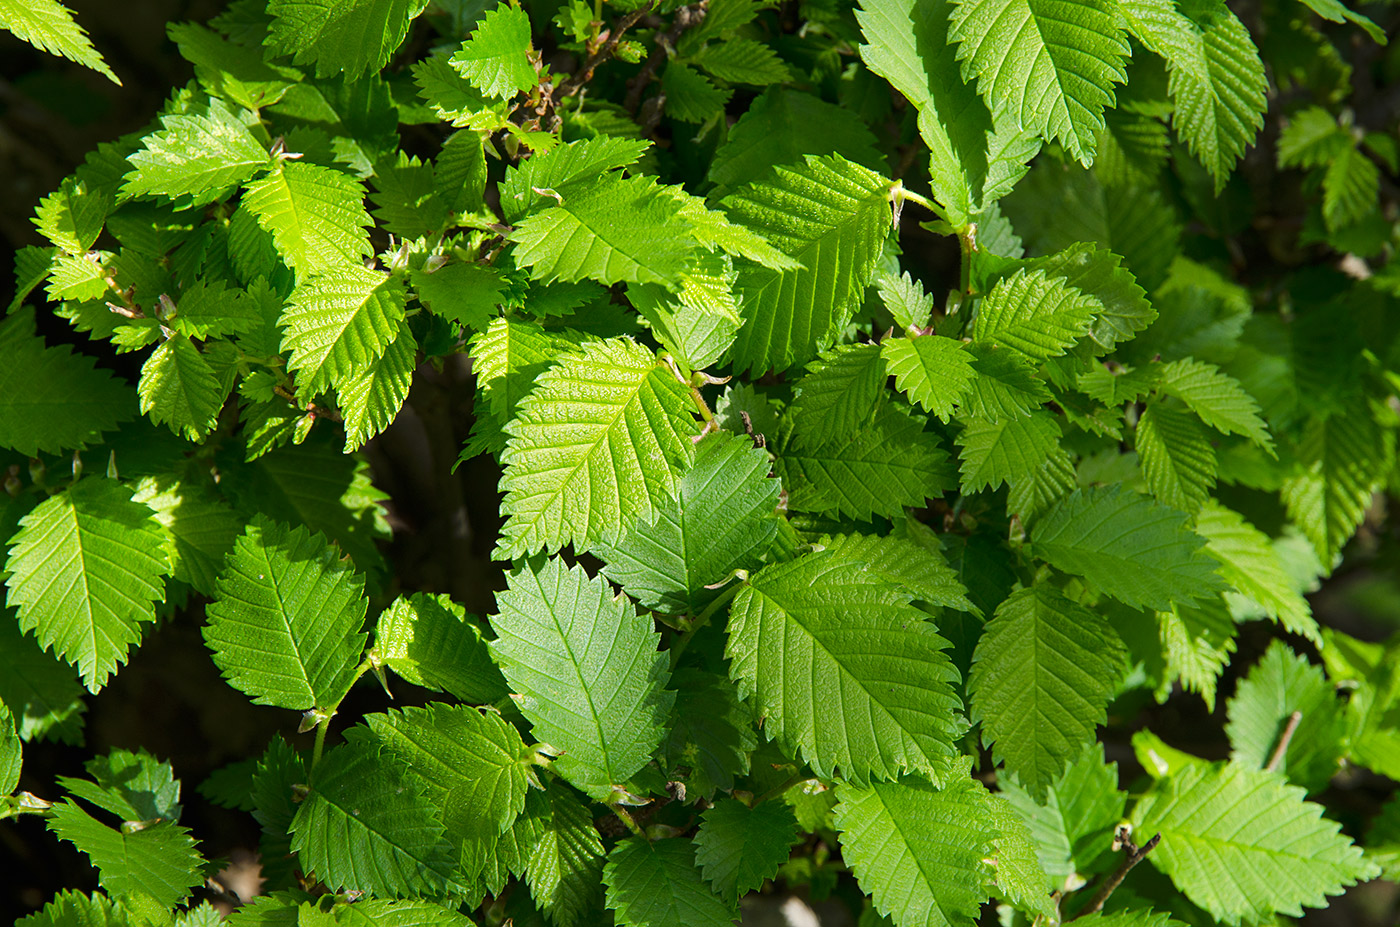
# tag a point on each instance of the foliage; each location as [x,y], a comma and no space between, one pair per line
[890,403]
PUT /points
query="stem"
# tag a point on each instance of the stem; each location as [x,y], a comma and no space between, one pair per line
[678,648]
[626,818]
[777,790]
[1289,729]
[1135,855]
[967,239]
[321,729]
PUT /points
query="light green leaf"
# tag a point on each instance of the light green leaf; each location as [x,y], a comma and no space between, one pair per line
[1123,309]
[316,216]
[285,622]
[839,395]
[339,322]
[160,860]
[911,559]
[877,470]
[933,371]
[50,398]
[48,25]
[85,569]
[200,528]
[72,909]
[1350,188]
[464,293]
[614,230]
[73,215]
[1197,642]
[230,70]
[1131,548]
[906,301]
[690,95]
[196,159]
[1336,11]
[430,641]
[1019,876]
[496,57]
[1243,845]
[1052,62]
[587,670]
[372,394]
[1216,79]
[1177,458]
[1041,679]
[598,444]
[365,826]
[739,847]
[1312,138]
[845,670]
[580,160]
[1037,314]
[1073,827]
[1280,684]
[1342,459]
[405,198]
[1010,449]
[830,215]
[1218,398]
[566,866]
[921,852]
[722,519]
[1005,384]
[743,61]
[353,36]
[656,884]
[178,388]
[1249,563]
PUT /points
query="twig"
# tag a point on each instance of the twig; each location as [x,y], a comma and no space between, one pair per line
[1289,729]
[605,51]
[686,18]
[1135,855]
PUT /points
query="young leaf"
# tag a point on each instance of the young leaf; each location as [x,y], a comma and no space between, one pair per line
[495,58]
[72,909]
[1249,563]
[465,293]
[179,388]
[597,444]
[429,641]
[581,160]
[1243,845]
[1053,63]
[353,36]
[366,827]
[1038,315]
[566,866]
[72,216]
[845,670]
[1137,551]
[919,851]
[340,322]
[690,95]
[933,371]
[656,884]
[1177,458]
[839,395]
[316,216]
[48,25]
[722,519]
[85,569]
[830,215]
[1042,675]
[1197,642]
[50,398]
[587,669]
[196,159]
[1010,449]
[160,860]
[372,395]
[1217,398]
[285,622]
[738,847]
[906,302]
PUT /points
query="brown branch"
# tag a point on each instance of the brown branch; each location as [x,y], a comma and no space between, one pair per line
[605,51]
[1135,855]
[1289,729]
[686,17]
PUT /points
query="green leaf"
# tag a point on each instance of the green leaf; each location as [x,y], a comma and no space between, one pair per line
[72,216]
[160,860]
[690,95]
[1036,314]
[1336,11]
[200,528]
[722,519]
[1216,79]
[405,198]
[830,215]
[1312,138]
[1243,845]
[1350,189]
[919,851]
[1217,398]
[743,61]
[1042,676]
[372,395]
[1005,384]
[464,293]
[353,36]
[472,765]
[839,395]
[72,909]
[1123,309]
[586,666]
[285,622]
[877,470]
[365,826]
[656,884]
[429,641]
[906,301]
[235,72]
[340,322]
[844,669]
[507,359]
[50,398]
[196,159]
[1197,642]
[566,866]
[496,57]
[1341,461]
[133,786]
[48,25]
[1052,62]
[580,160]
[1010,449]
[316,217]
[614,230]
[1177,458]
[1019,876]
[1280,684]
[912,560]
[598,444]
[1249,563]
[739,847]
[1383,839]
[42,693]
[931,370]
[11,752]
[1131,548]
[711,733]
[1073,828]
[179,388]
[85,569]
